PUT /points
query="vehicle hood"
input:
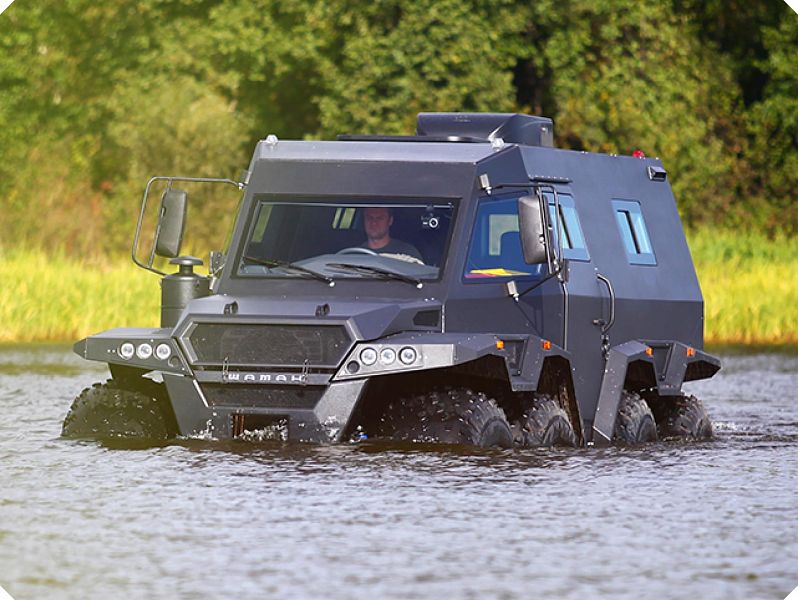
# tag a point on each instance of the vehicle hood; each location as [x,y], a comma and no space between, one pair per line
[370,319]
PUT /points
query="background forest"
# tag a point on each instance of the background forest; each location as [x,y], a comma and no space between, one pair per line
[95,97]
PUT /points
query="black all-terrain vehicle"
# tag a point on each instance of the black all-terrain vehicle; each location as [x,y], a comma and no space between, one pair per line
[469,284]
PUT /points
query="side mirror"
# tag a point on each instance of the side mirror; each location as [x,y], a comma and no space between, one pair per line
[533,230]
[171,223]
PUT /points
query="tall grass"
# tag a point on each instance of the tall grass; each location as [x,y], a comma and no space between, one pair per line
[750,286]
[53,298]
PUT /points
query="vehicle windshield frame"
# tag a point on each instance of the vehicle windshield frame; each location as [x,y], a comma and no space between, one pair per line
[451,204]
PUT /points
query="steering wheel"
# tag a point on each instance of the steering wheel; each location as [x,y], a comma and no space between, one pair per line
[358,250]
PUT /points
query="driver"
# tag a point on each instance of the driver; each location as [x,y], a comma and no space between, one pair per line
[378,221]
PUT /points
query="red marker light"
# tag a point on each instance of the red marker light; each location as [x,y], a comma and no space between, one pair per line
[638,154]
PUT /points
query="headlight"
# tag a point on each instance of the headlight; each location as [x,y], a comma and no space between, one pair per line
[144,351]
[387,356]
[408,355]
[368,356]
[163,351]
[384,358]
[127,350]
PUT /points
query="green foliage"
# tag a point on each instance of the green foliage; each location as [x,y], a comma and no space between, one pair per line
[401,58]
[174,126]
[97,97]
[774,127]
[628,75]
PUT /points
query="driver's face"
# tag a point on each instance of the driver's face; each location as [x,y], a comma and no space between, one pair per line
[378,223]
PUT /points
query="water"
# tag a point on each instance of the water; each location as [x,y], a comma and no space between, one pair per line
[223,520]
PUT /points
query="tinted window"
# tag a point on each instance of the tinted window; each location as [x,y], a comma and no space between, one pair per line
[324,235]
[633,232]
[573,241]
[496,243]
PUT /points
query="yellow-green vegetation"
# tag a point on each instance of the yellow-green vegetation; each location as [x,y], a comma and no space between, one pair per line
[54,298]
[750,286]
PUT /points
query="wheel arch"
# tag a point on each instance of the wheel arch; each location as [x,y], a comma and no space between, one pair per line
[485,374]
[646,366]
[556,378]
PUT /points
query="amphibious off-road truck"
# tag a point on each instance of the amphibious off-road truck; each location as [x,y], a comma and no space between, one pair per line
[468,284]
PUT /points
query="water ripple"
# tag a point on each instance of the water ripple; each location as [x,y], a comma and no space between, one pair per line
[225,519]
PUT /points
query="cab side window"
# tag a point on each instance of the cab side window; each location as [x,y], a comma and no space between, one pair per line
[496,243]
[634,233]
[567,222]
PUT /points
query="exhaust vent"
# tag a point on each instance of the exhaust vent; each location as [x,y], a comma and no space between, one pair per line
[513,128]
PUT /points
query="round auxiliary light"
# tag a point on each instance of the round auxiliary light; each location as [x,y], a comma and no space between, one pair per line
[408,355]
[144,351]
[387,356]
[368,356]
[127,350]
[163,351]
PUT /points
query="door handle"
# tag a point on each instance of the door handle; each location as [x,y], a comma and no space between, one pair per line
[606,325]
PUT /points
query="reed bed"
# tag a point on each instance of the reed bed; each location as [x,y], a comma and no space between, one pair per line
[55,298]
[750,286]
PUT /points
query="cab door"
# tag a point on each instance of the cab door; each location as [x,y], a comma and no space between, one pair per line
[586,303]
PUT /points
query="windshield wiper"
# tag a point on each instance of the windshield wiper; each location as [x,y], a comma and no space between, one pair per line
[379,271]
[272,263]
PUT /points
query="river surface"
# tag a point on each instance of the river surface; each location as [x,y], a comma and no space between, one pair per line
[199,519]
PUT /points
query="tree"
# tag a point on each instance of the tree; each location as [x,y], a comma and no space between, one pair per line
[773,127]
[627,75]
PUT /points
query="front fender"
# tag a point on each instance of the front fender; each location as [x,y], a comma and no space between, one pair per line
[522,356]
[105,347]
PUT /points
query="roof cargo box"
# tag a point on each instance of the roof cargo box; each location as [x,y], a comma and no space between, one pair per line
[513,128]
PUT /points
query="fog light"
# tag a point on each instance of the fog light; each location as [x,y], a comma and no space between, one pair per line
[144,351]
[163,351]
[387,356]
[368,356]
[353,366]
[408,355]
[127,350]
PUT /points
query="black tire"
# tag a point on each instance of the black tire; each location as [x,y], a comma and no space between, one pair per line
[544,422]
[450,416]
[685,417]
[106,410]
[635,422]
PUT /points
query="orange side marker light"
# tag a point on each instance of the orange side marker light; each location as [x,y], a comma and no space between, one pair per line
[500,344]
[690,351]
[546,345]
[649,351]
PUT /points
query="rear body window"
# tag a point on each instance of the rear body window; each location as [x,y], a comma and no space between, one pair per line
[634,233]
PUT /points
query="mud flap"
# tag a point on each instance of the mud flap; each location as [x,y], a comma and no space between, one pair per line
[612,383]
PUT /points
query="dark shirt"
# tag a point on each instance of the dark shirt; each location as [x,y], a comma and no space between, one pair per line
[397,247]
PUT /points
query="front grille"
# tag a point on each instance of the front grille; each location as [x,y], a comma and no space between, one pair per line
[262,396]
[248,344]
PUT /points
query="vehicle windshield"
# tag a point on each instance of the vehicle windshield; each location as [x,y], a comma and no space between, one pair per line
[347,239]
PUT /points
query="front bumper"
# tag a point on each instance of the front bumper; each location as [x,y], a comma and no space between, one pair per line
[323,417]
